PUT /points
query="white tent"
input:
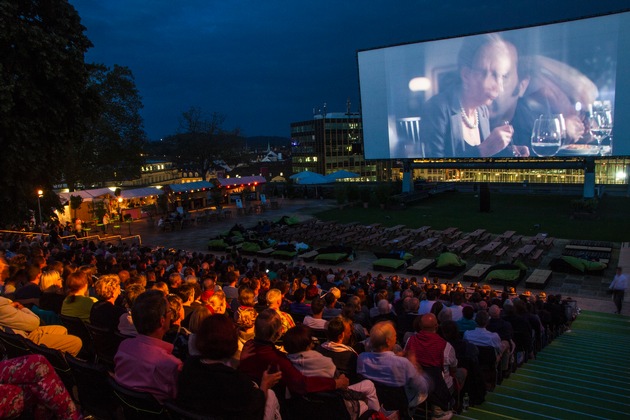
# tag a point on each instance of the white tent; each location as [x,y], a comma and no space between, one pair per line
[86,195]
[140,192]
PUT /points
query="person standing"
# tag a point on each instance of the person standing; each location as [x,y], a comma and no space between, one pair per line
[618,287]
[105,222]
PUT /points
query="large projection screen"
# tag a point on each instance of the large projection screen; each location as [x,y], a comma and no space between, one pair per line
[555,90]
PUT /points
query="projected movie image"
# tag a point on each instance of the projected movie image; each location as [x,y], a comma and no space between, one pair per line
[546,91]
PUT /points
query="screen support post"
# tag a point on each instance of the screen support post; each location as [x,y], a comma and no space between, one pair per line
[407,180]
[589,177]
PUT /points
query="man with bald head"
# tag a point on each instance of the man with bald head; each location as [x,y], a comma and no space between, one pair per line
[437,357]
[382,365]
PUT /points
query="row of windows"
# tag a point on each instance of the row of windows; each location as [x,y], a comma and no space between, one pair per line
[606,172]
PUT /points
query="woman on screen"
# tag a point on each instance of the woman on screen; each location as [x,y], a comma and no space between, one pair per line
[455,122]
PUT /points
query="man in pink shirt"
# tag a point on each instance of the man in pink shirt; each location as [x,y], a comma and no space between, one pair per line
[146,363]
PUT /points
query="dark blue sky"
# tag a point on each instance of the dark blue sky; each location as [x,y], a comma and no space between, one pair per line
[267,64]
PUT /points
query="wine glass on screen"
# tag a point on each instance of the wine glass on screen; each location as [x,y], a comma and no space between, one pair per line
[547,135]
[601,124]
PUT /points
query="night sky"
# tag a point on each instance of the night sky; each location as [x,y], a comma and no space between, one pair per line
[267,64]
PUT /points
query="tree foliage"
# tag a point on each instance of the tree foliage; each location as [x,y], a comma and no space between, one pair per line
[201,141]
[60,118]
[43,80]
[113,141]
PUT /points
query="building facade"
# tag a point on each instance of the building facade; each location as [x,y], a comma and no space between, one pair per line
[334,141]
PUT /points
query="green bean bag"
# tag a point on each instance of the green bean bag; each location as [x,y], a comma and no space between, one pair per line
[388,264]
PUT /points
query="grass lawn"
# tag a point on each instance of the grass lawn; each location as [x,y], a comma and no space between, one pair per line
[508,212]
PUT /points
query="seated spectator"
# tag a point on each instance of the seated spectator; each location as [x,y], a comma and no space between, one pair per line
[176,334]
[480,336]
[378,296]
[274,300]
[299,306]
[337,348]
[217,303]
[77,302]
[298,342]
[516,315]
[157,370]
[162,287]
[125,321]
[229,287]
[105,313]
[30,382]
[209,385]
[385,313]
[467,322]
[361,312]
[382,365]
[196,319]
[504,329]
[316,321]
[174,281]
[245,326]
[456,307]
[332,309]
[260,353]
[187,293]
[437,358]
[31,290]
[410,306]
[468,358]
[246,299]
[14,317]
[52,295]
[427,304]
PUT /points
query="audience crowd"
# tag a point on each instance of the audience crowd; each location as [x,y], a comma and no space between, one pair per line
[239,337]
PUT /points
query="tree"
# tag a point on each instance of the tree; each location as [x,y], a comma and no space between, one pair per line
[202,141]
[43,81]
[75,203]
[113,140]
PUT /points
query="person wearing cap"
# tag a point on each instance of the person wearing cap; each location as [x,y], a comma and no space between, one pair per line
[618,287]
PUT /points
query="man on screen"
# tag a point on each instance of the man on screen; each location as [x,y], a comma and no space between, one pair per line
[542,86]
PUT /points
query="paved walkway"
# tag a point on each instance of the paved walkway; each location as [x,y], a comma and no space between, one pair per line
[588,290]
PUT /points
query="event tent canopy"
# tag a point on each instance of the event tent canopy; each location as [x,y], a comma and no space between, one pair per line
[342,174]
[245,180]
[140,192]
[86,195]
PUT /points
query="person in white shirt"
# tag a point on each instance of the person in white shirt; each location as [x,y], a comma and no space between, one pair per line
[618,287]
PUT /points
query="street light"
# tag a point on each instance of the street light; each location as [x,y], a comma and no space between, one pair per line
[40,194]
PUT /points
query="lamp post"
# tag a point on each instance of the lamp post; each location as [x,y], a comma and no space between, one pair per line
[40,194]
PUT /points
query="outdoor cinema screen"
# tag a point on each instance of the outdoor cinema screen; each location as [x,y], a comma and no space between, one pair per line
[561,89]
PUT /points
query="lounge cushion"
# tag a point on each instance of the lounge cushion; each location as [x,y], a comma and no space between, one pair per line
[331,258]
[284,254]
[576,263]
[448,259]
[217,244]
[250,247]
[388,264]
[503,275]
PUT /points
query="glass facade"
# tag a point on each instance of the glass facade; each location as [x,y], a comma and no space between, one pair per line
[607,171]
[332,142]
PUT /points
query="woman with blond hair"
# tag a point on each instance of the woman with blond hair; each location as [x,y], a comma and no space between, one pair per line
[274,300]
[52,295]
[217,303]
[105,313]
